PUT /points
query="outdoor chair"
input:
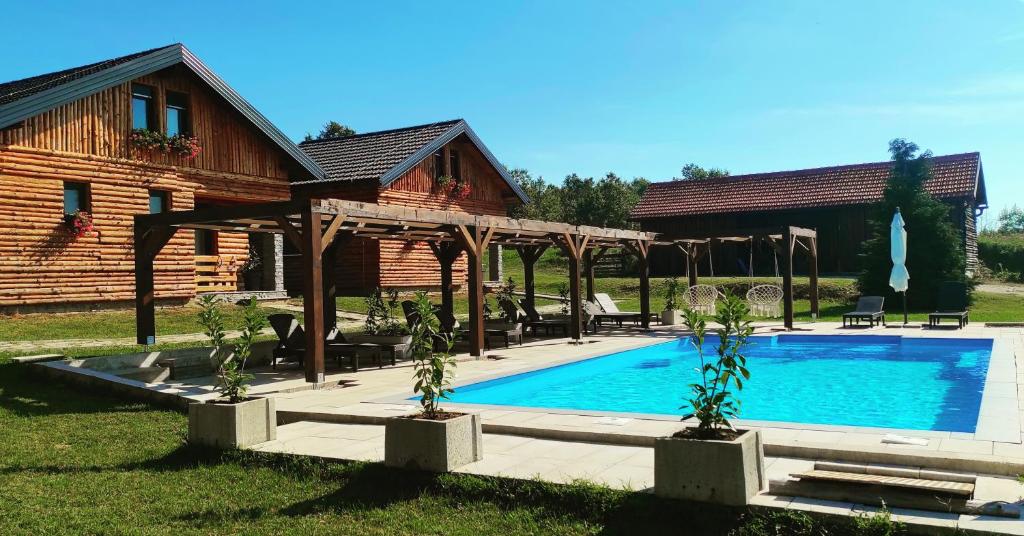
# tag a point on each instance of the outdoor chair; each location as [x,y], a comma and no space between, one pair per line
[594,315]
[868,308]
[511,311]
[504,330]
[702,298]
[612,312]
[291,344]
[764,300]
[536,321]
[951,303]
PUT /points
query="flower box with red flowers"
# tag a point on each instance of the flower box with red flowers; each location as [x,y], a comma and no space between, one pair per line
[79,223]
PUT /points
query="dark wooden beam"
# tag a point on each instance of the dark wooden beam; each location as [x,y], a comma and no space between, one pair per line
[643,250]
[787,278]
[475,240]
[313,295]
[446,254]
[329,276]
[147,241]
[574,245]
[588,267]
[529,255]
[813,275]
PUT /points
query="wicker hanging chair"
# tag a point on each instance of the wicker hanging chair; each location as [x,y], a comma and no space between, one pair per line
[702,298]
[764,300]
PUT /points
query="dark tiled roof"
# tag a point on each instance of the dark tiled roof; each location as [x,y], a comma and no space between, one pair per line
[371,155]
[953,176]
[19,89]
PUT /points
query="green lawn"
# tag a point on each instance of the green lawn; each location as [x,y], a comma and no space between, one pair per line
[79,463]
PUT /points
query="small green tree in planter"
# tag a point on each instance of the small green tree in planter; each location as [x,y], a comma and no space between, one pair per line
[671,315]
[382,324]
[714,462]
[235,420]
[432,440]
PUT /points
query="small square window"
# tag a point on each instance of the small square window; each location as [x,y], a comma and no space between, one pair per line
[159,201]
[142,107]
[206,242]
[177,114]
[76,197]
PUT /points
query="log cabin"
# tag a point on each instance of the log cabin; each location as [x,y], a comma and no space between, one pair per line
[442,165]
[836,201]
[83,150]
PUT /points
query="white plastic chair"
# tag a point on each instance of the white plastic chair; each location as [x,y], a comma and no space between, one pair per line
[702,298]
[764,300]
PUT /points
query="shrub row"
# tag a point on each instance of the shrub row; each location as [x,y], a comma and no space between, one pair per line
[1002,252]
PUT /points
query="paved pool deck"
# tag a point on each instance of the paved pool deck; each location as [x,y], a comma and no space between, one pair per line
[344,420]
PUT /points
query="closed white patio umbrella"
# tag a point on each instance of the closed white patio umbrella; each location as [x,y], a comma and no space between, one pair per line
[899,280]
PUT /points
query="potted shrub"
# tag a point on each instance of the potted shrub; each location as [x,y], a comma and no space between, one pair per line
[433,439]
[382,324]
[235,420]
[713,461]
[671,316]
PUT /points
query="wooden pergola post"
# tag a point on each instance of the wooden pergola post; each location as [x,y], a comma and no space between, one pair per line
[691,264]
[643,249]
[475,240]
[574,245]
[813,274]
[312,289]
[446,254]
[787,276]
[529,256]
[332,245]
[148,241]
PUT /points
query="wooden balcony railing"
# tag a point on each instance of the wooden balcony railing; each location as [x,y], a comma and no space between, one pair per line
[216,273]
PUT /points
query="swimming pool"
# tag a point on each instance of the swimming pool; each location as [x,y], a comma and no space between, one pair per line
[856,380]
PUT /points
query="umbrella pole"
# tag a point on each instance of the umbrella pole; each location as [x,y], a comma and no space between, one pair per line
[905,308]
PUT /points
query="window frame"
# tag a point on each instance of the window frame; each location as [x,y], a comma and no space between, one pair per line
[184,112]
[84,196]
[454,164]
[438,163]
[165,195]
[150,100]
[214,238]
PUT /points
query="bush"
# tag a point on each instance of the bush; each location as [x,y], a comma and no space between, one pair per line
[1002,253]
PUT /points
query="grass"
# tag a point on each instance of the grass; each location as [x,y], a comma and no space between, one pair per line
[74,462]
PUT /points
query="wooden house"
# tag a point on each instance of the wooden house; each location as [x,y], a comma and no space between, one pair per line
[836,201]
[441,165]
[84,150]
[151,131]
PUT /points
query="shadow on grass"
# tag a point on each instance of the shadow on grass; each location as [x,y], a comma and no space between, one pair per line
[25,394]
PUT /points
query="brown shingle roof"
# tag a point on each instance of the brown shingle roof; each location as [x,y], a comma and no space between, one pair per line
[369,156]
[19,89]
[953,176]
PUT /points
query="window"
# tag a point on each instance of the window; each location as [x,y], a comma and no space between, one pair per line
[76,197]
[177,114]
[206,242]
[159,201]
[142,107]
[439,164]
[454,164]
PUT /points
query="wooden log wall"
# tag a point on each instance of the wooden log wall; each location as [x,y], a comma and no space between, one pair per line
[87,141]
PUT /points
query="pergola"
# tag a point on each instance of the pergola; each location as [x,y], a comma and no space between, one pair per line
[318,227]
[783,239]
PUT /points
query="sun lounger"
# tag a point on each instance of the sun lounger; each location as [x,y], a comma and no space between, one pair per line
[291,344]
[611,312]
[536,321]
[868,308]
[951,303]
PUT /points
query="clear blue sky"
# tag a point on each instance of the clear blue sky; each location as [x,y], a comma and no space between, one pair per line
[589,87]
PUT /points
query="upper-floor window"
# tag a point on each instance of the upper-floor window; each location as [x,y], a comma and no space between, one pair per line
[76,197]
[454,164]
[143,107]
[177,113]
[439,164]
[159,201]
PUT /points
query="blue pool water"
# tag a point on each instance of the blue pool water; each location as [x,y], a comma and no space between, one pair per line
[867,380]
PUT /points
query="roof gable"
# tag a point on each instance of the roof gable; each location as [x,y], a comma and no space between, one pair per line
[386,155]
[953,177]
[22,99]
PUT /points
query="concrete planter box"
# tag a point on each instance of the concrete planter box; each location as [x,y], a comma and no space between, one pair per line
[724,472]
[672,318]
[437,446]
[232,425]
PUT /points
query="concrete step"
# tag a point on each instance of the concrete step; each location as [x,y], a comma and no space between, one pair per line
[143,374]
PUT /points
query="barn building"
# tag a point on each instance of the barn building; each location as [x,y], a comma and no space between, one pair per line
[836,201]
